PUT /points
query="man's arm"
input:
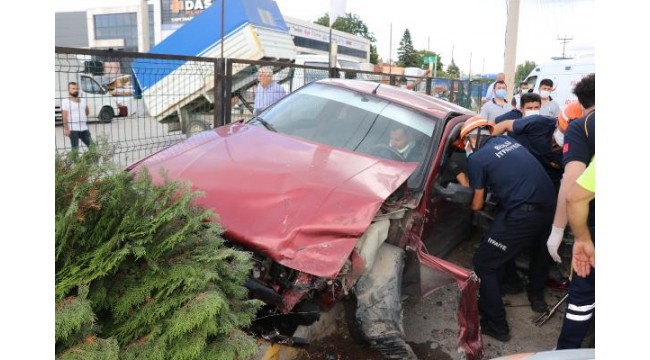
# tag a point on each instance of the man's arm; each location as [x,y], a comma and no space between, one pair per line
[572,170]
[87,111]
[65,114]
[503,126]
[462,179]
[577,205]
[478,200]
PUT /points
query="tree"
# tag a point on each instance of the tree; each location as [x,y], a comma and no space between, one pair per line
[352,24]
[523,70]
[406,54]
[453,70]
[141,272]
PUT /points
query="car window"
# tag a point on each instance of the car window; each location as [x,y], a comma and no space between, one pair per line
[353,121]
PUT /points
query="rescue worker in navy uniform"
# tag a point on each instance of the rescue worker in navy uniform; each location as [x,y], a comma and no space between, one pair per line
[525,211]
[579,148]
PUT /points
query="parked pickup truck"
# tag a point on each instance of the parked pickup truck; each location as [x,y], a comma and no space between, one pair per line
[181,93]
[334,213]
[103,107]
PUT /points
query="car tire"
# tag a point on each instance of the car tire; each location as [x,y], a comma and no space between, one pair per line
[378,310]
[196,126]
[106,114]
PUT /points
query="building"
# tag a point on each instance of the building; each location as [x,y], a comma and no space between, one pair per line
[124,28]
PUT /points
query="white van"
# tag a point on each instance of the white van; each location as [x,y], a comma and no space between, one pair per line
[101,104]
[565,73]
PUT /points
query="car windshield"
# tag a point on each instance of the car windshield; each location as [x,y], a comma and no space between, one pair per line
[354,121]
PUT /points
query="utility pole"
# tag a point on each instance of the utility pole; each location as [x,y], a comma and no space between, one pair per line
[390,51]
[511,45]
[144,20]
[564,40]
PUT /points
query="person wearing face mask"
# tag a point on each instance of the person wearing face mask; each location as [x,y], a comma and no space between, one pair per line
[498,105]
[578,150]
[74,111]
[530,104]
[489,94]
[522,218]
[539,134]
[549,106]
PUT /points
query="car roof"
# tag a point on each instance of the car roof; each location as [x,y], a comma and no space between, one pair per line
[425,103]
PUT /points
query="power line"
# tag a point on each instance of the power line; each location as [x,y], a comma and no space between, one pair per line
[564,40]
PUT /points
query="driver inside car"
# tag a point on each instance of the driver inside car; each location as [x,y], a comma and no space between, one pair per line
[402,140]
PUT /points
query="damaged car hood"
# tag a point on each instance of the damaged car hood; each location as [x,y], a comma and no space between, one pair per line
[300,203]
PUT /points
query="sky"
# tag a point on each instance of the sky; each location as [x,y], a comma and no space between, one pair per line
[472,31]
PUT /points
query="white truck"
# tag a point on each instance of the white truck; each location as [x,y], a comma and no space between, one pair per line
[181,93]
[565,73]
[101,104]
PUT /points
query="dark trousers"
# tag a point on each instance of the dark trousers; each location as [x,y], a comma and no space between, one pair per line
[510,232]
[580,311]
[83,135]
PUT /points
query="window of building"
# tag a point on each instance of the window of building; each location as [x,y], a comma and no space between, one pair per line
[118,26]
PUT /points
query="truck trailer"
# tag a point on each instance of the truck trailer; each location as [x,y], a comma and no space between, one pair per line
[181,93]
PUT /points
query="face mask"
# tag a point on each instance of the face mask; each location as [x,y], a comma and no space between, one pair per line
[501,93]
[544,94]
[559,137]
[532,112]
[74,94]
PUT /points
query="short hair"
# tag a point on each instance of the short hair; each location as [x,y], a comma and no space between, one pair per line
[500,82]
[266,70]
[547,82]
[528,98]
[523,83]
[72,83]
[585,90]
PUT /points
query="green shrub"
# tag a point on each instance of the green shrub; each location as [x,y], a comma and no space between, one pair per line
[141,271]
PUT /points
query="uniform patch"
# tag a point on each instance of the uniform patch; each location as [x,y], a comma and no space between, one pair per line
[565,148]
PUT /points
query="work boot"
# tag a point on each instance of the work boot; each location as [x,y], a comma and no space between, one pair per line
[537,302]
[491,329]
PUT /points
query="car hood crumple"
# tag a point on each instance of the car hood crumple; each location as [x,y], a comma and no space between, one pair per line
[300,203]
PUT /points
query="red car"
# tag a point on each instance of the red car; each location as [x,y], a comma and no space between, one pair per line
[334,210]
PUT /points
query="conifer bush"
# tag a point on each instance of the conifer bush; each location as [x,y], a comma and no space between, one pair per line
[142,272]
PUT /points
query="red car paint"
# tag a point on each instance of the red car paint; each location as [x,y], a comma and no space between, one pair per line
[302,204]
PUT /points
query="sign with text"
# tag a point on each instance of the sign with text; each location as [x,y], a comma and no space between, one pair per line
[430,59]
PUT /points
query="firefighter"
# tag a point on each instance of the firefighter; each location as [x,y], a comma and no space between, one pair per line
[523,216]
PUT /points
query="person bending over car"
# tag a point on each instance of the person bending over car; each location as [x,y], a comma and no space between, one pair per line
[525,210]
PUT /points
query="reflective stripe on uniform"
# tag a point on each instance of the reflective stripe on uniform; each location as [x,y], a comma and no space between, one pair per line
[583,308]
[575,317]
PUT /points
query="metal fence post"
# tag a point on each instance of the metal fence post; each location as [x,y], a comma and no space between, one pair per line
[218,93]
[429,86]
[228,92]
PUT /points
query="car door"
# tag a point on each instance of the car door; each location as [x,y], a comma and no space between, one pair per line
[446,223]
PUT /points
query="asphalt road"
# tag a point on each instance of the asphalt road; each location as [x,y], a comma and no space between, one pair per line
[132,137]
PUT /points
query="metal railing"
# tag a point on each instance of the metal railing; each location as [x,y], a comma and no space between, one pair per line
[141,103]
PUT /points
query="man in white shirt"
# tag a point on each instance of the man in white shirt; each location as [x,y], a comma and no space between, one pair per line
[549,106]
[489,95]
[267,92]
[75,117]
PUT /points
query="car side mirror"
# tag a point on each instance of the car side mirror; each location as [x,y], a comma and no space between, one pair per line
[455,193]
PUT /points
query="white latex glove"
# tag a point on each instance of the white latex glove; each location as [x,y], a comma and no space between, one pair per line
[554,241]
